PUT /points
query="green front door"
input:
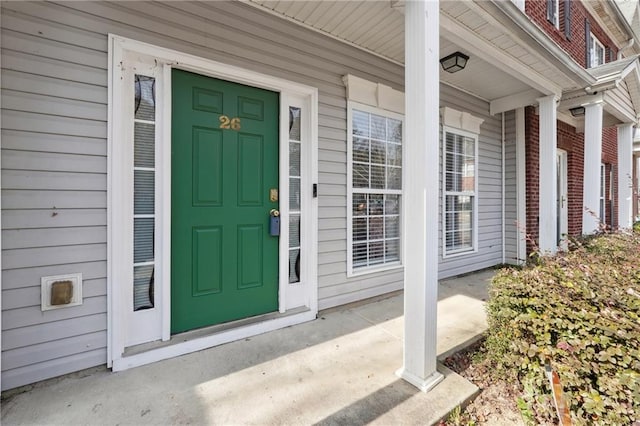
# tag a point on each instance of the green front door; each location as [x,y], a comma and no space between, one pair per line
[224,263]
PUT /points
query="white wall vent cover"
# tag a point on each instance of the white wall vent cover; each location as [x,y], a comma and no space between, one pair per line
[61,291]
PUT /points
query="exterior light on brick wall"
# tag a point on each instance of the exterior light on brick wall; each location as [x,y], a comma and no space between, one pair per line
[454,62]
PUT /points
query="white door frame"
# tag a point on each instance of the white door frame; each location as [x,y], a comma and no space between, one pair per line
[563,198]
[129,57]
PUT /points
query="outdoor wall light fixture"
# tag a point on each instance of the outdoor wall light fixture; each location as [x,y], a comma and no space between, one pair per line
[454,62]
[577,111]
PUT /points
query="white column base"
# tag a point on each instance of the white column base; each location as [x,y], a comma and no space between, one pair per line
[425,385]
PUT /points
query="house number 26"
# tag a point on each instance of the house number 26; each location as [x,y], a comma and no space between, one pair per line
[229,123]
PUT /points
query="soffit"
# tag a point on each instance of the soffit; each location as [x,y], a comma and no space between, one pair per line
[604,13]
[631,11]
[378,26]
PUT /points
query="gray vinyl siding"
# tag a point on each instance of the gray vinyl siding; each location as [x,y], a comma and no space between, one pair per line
[54,116]
[510,203]
[54,157]
[489,252]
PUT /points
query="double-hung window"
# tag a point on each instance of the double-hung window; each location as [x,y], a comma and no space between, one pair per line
[375,188]
[460,191]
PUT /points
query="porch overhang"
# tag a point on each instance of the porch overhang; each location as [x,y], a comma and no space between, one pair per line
[616,85]
[512,61]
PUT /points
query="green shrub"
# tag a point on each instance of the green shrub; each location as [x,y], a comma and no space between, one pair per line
[636,226]
[579,311]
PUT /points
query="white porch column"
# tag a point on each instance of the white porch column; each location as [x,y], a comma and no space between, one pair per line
[625,175]
[548,185]
[521,185]
[591,172]
[421,193]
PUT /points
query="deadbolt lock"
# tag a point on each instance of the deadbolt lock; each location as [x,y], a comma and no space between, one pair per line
[273,195]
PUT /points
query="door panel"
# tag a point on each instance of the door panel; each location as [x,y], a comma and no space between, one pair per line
[224,263]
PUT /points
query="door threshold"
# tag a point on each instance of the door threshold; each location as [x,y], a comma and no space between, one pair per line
[208,337]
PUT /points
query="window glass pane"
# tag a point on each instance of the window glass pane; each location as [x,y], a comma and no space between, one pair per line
[394,130]
[392,250]
[143,287]
[143,192]
[378,152]
[377,177]
[392,227]
[294,230]
[394,180]
[360,150]
[376,252]
[294,123]
[359,204]
[294,159]
[394,155]
[294,266]
[294,194]
[376,204]
[144,135]
[392,204]
[144,100]
[360,175]
[469,147]
[360,254]
[143,240]
[361,123]
[378,127]
[376,228]
[359,228]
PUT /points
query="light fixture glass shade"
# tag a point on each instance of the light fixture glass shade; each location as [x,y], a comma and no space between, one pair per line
[454,62]
[577,111]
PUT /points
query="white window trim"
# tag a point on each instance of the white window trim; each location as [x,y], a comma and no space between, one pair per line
[124,52]
[474,232]
[594,44]
[351,271]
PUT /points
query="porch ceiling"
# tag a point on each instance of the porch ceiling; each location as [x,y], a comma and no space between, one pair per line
[502,63]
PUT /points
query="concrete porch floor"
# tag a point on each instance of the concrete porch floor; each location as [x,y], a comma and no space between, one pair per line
[338,369]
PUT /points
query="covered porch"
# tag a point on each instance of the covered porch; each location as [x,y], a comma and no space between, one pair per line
[336,370]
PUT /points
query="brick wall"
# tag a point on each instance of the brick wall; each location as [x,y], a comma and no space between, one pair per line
[569,140]
[532,167]
[573,142]
[575,46]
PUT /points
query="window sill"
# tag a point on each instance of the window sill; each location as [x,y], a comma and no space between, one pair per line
[460,253]
[373,269]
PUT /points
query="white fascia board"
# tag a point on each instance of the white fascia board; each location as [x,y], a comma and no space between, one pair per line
[511,102]
[467,39]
